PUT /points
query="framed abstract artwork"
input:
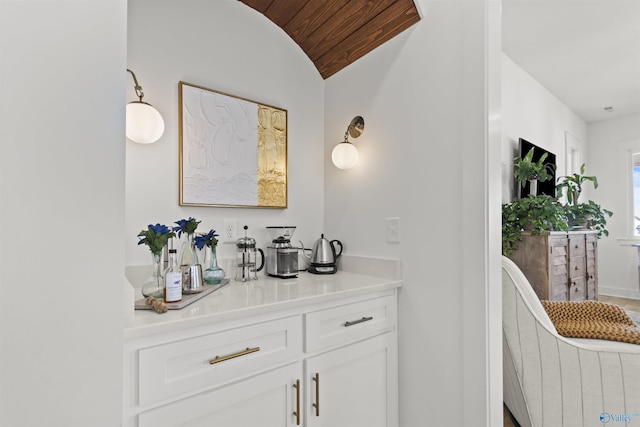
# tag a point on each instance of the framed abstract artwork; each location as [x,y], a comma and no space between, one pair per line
[233,151]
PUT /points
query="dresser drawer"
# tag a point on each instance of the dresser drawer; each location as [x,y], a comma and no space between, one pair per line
[348,323]
[577,289]
[195,364]
[576,246]
[577,267]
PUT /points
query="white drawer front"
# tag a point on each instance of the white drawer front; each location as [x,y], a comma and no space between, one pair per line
[185,366]
[350,322]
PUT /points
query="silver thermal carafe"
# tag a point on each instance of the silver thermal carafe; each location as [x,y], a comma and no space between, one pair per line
[324,257]
[282,258]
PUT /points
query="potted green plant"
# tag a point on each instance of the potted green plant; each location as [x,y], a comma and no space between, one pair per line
[536,214]
[573,185]
[526,170]
[588,215]
[582,215]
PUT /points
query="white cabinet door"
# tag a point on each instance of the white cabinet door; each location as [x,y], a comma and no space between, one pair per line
[353,386]
[265,400]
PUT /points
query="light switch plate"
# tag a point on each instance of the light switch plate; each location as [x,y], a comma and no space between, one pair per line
[393,230]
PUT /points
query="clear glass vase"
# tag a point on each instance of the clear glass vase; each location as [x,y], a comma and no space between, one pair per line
[154,285]
[213,275]
[188,254]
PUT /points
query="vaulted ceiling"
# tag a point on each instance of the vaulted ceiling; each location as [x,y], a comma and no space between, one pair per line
[335,33]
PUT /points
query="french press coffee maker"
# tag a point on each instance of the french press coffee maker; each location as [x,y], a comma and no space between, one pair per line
[246,258]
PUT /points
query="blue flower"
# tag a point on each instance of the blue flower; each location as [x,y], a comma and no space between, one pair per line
[186,226]
[160,229]
[156,237]
[208,239]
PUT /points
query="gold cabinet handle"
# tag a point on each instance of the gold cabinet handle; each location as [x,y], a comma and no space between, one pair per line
[355,322]
[317,404]
[297,411]
[244,352]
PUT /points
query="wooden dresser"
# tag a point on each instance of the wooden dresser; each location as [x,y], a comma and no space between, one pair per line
[561,266]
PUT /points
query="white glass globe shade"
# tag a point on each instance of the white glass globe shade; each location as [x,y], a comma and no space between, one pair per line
[144,123]
[344,155]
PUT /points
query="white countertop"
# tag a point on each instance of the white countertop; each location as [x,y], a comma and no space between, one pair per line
[243,299]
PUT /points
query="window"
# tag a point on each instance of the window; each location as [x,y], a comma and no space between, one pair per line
[627,214]
[636,194]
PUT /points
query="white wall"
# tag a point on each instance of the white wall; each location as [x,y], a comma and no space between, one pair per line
[62,103]
[427,156]
[225,46]
[531,112]
[609,142]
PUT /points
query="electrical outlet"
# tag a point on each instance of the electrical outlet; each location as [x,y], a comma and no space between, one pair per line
[393,230]
[229,230]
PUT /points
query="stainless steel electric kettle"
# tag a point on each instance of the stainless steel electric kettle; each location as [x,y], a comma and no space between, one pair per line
[324,256]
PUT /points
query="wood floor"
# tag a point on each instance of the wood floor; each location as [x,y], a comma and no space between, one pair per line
[627,304]
[508,421]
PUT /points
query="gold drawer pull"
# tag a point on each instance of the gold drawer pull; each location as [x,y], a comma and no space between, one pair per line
[219,359]
[355,322]
[297,411]
[316,405]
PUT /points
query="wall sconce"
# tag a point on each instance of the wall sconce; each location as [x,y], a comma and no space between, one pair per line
[345,154]
[144,123]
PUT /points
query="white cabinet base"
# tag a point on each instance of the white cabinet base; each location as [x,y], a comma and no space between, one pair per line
[243,373]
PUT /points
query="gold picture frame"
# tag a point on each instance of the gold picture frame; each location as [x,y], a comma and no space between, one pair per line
[233,151]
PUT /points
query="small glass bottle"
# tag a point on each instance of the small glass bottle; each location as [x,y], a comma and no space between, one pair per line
[173,279]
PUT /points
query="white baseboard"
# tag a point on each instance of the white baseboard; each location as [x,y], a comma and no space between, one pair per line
[619,292]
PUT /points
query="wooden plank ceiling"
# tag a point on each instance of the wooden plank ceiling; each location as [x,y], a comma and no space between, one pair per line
[335,33]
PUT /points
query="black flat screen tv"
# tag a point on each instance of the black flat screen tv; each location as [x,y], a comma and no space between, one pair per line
[547,187]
